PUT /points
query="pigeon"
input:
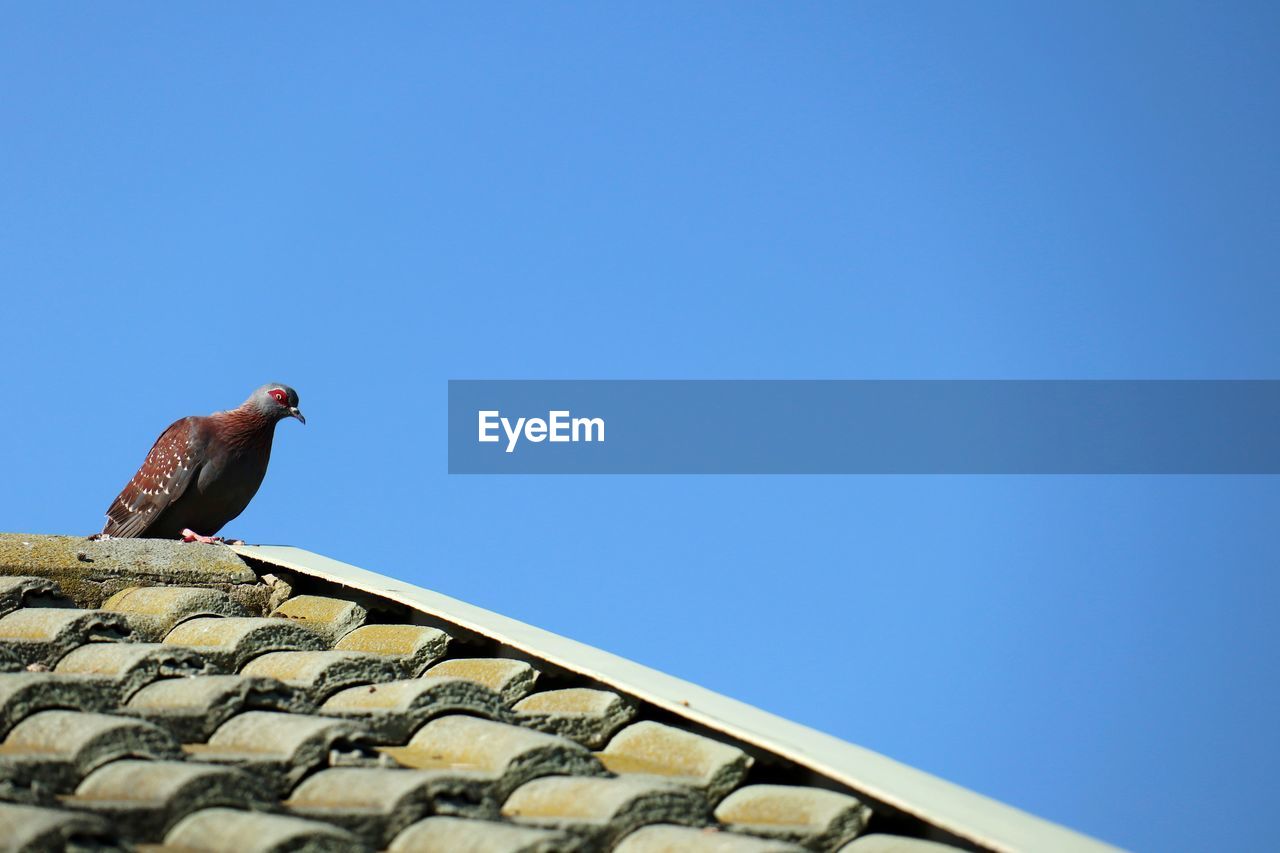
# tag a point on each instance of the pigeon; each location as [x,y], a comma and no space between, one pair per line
[202,471]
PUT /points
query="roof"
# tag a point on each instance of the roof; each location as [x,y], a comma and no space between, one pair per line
[202,697]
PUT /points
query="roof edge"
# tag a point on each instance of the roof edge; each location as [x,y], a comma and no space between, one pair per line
[958,810]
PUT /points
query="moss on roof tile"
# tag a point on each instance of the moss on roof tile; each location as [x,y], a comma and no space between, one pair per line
[89,572]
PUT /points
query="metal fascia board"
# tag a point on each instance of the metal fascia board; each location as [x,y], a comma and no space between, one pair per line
[982,820]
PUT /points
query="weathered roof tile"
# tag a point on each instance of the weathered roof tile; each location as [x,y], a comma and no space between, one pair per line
[85,739]
[814,817]
[42,635]
[651,748]
[30,829]
[282,747]
[323,673]
[131,666]
[392,711]
[145,798]
[510,679]
[224,830]
[414,647]
[22,591]
[193,708]
[332,618]
[512,754]
[25,693]
[153,611]
[228,643]
[51,751]
[603,809]
[459,835]
[376,803]
[579,713]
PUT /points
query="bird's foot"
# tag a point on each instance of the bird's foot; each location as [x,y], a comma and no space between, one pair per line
[189,535]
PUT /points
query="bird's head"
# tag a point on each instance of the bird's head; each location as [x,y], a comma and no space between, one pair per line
[276,401]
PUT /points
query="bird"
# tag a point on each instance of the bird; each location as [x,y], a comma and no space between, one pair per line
[202,471]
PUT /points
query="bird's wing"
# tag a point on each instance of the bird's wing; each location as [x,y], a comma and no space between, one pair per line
[161,480]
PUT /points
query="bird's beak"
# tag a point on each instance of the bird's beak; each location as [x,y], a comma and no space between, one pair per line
[294,413]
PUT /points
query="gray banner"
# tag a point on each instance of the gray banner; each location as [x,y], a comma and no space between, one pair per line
[864,427]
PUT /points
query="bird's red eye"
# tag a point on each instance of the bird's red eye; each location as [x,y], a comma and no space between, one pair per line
[279,396]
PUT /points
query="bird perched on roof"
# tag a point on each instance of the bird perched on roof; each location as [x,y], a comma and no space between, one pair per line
[202,471]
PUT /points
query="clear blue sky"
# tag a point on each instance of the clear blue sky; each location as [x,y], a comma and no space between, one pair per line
[365,201]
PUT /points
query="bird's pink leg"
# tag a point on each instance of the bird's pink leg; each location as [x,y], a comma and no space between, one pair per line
[189,535]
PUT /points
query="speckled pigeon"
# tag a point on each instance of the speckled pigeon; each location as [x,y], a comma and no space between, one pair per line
[202,471]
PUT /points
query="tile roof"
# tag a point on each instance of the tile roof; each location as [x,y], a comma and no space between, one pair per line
[178,697]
